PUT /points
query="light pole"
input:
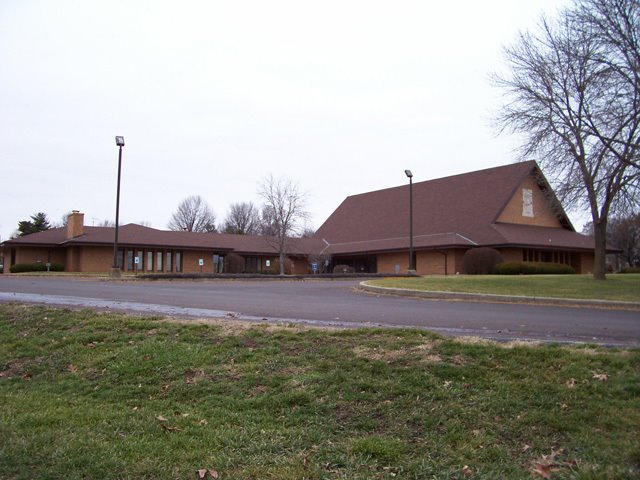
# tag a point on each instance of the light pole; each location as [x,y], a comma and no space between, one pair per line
[410,175]
[115,270]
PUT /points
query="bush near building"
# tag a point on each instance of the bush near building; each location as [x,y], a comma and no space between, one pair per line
[481,261]
[36,267]
[530,268]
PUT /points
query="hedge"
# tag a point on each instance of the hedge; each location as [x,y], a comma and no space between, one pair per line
[630,270]
[530,268]
[36,267]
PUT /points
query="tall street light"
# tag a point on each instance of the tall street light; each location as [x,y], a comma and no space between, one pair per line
[115,270]
[411,265]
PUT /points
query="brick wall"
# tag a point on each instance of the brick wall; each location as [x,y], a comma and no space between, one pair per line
[387,262]
[543,214]
[36,255]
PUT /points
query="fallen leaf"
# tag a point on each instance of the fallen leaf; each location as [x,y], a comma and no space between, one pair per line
[542,469]
[571,383]
[603,377]
[160,418]
[447,383]
[203,422]
[170,429]
[204,473]
[72,368]
[466,471]
[26,376]
[526,447]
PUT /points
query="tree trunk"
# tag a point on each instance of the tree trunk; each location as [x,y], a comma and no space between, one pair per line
[281,263]
[600,252]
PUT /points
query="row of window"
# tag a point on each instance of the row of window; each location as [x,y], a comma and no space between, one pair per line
[145,260]
[529,255]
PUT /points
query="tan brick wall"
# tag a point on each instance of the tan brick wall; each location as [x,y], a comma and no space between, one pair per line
[586,263]
[36,255]
[387,262]
[190,261]
[95,259]
[455,262]
[427,262]
[511,254]
[430,263]
[543,214]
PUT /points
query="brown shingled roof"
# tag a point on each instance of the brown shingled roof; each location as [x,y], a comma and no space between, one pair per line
[453,211]
[139,236]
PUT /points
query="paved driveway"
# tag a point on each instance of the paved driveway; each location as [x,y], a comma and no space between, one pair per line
[330,303]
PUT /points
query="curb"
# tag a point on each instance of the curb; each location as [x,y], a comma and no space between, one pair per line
[493,298]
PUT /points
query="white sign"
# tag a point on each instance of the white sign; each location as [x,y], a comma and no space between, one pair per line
[201,262]
[136,260]
[267,263]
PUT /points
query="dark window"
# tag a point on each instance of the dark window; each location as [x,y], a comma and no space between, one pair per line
[129,260]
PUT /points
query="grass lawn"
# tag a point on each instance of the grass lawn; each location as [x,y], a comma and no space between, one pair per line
[88,395]
[617,287]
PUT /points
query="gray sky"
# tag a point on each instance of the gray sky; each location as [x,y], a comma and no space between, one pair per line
[211,96]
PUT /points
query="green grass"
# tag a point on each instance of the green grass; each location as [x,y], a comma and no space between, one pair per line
[86,395]
[616,287]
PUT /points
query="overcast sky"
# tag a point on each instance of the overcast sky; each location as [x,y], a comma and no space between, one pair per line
[211,96]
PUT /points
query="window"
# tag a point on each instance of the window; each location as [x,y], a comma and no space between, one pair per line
[140,260]
[178,261]
[158,261]
[129,260]
[251,264]
[149,260]
[120,258]
[167,262]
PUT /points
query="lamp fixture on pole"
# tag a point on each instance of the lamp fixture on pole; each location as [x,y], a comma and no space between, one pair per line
[115,270]
[410,176]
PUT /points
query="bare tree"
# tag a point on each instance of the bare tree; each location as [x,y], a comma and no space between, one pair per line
[243,218]
[193,215]
[624,233]
[285,207]
[573,91]
[267,222]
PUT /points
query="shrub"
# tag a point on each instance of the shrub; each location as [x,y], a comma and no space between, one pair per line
[530,268]
[630,270]
[480,261]
[343,269]
[233,263]
[36,267]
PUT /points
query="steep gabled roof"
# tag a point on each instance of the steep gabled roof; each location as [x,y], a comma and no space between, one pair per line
[453,211]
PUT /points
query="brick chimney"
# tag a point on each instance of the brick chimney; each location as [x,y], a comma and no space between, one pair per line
[75,224]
